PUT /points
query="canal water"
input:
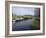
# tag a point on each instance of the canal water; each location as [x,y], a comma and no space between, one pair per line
[22,25]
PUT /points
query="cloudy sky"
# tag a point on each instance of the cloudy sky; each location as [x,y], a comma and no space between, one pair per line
[23,10]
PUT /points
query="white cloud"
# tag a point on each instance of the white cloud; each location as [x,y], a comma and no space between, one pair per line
[23,10]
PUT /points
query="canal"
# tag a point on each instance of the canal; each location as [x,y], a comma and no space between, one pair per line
[22,25]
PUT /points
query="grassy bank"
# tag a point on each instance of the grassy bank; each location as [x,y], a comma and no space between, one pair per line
[35,23]
[25,17]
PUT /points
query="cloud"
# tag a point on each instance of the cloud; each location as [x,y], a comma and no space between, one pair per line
[23,10]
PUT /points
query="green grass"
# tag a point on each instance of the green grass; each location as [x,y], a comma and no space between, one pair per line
[25,17]
[36,23]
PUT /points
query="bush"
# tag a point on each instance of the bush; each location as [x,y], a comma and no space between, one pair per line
[35,24]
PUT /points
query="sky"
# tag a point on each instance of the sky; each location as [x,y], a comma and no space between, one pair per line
[23,10]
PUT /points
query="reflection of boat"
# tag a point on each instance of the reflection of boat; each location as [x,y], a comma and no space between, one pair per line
[19,19]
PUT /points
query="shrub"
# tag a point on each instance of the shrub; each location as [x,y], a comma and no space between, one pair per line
[35,24]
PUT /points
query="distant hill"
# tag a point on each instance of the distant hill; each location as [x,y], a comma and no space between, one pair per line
[27,15]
